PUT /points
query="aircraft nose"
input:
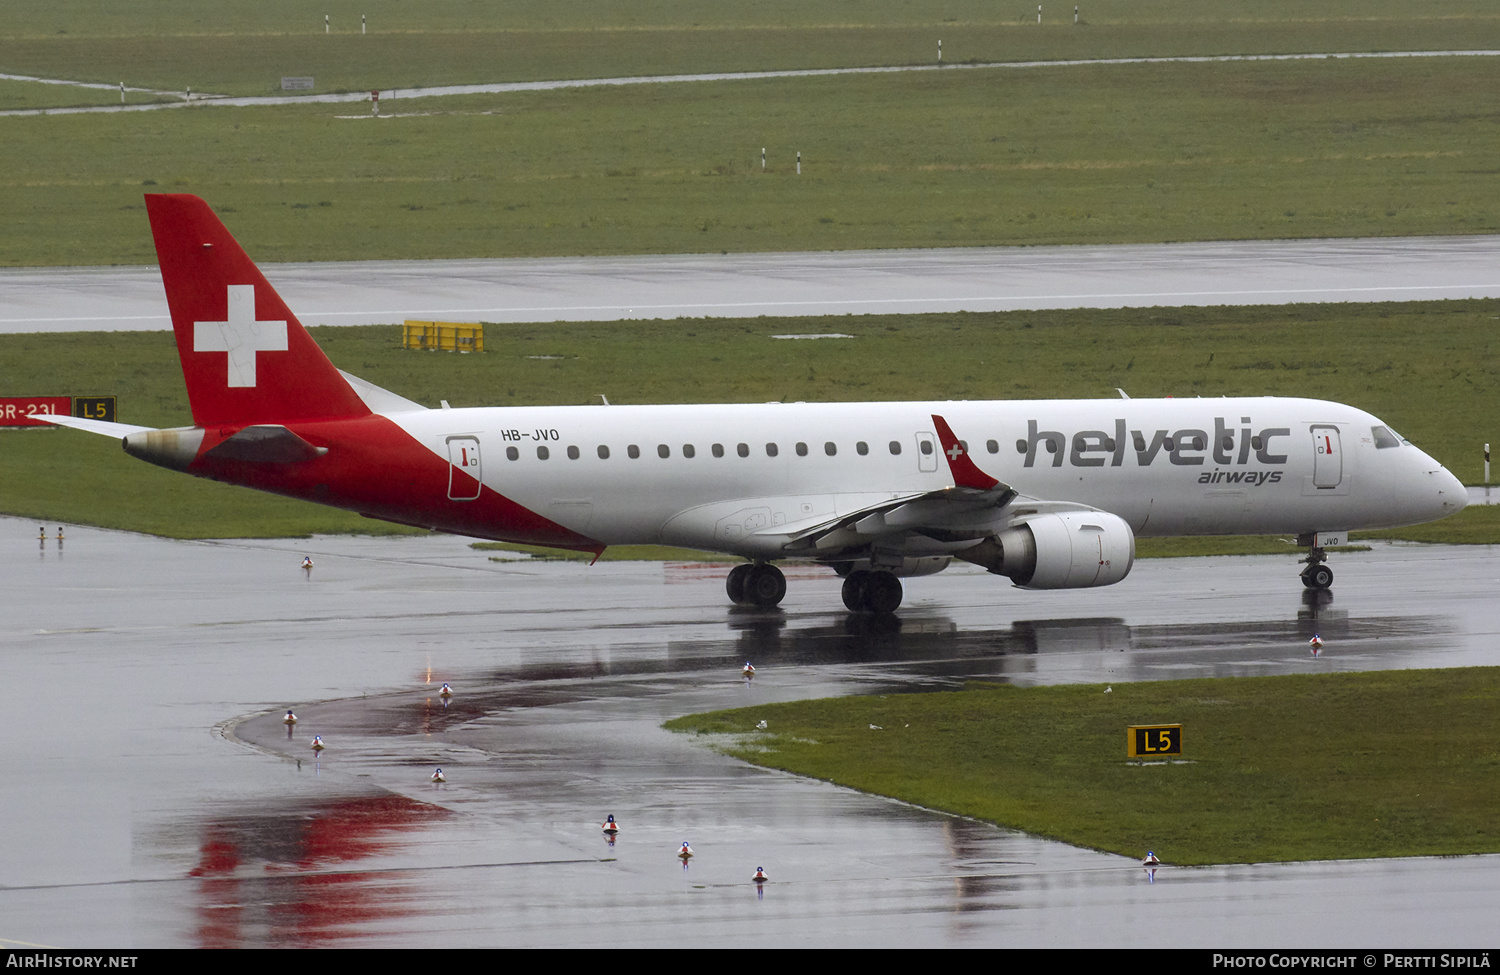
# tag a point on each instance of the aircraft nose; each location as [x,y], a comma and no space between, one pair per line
[1451,493]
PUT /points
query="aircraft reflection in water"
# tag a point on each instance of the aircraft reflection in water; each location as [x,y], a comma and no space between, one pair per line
[936,647]
[1050,494]
[291,878]
[928,647]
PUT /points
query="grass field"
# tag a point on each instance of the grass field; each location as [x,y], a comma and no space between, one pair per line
[1077,155]
[1332,766]
[1427,368]
[246,49]
[988,156]
[25,94]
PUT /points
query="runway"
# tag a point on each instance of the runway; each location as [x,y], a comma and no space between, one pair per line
[157,800]
[777,284]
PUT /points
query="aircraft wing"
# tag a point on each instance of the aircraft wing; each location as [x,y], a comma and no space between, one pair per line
[946,510]
[974,506]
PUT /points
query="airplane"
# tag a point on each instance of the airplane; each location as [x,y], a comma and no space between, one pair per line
[1048,493]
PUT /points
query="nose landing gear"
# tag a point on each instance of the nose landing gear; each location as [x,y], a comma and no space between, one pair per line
[1318,575]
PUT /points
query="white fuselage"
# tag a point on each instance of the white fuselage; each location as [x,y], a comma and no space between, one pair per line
[741,478]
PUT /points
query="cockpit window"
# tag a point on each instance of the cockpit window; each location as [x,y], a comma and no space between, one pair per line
[1385,437]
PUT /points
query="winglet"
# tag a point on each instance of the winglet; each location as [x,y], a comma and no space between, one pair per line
[965,473]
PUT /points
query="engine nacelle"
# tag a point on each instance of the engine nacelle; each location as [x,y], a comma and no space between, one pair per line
[1060,550]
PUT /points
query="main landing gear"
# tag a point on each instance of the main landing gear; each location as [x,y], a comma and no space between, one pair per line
[1317,575]
[877,592]
[865,591]
[755,584]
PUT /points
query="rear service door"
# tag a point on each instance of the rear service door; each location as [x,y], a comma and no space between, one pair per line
[463,468]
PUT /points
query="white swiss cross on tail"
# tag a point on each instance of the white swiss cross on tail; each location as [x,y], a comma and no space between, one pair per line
[242,336]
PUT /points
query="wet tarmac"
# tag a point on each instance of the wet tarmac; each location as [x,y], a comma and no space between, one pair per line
[154,797]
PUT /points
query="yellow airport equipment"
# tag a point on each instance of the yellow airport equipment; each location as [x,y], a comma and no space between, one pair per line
[443,336]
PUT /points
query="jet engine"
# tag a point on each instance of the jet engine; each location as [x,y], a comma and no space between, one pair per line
[1059,550]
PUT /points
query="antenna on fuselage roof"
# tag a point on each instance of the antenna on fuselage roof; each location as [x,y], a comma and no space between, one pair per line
[1123,394]
[605,398]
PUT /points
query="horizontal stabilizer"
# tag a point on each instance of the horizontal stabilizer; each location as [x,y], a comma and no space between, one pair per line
[102,427]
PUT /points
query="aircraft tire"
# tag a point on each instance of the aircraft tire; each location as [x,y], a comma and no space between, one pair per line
[734,583]
[765,586]
[854,590]
[883,593]
[1319,577]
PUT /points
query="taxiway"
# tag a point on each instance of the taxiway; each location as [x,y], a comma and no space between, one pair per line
[832,283]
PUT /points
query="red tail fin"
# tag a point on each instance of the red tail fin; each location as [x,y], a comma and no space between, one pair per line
[245,357]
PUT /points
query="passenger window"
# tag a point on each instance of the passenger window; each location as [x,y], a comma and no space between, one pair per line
[895,447]
[572,453]
[801,449]
[770,450]
[718,449]
[663,451]
[688,450]
[862,448]
[542,453]
[512,453]
[633,451]
[743,450]
[830,448]
[926,446]
[603,452]
[992,446]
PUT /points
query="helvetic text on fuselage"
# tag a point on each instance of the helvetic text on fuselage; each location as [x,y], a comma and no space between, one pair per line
[1185,448]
